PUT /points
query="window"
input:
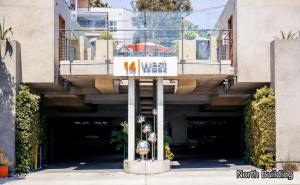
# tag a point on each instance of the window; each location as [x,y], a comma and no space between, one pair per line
[90,21]
[113,26]
[62,40]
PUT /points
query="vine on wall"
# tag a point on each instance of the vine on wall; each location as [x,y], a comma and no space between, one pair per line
[29,130]
[260,129]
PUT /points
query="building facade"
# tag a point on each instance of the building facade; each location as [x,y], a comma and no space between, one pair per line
[103,66]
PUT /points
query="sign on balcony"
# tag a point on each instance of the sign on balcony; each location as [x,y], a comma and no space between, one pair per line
[145,66]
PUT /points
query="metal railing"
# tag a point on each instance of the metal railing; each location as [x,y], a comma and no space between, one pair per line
[105,44]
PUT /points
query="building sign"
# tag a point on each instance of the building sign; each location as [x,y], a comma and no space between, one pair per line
[145,66]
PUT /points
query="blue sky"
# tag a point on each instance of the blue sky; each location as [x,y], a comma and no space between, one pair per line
[205,19]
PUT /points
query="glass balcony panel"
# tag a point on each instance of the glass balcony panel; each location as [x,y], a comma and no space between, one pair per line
[161,34]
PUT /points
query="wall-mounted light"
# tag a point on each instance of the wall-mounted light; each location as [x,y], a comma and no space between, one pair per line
[226,84]
[154,111]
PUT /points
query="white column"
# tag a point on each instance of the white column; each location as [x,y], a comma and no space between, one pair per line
[131,118]
[160,119]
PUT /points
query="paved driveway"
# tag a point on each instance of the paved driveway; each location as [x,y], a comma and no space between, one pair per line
[175,177]
[109,172]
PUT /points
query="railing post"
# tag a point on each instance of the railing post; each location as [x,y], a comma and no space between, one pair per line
[107,44]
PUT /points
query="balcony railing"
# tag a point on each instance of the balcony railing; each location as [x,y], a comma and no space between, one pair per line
[186,45]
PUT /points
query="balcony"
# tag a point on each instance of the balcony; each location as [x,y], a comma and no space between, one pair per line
[94,46]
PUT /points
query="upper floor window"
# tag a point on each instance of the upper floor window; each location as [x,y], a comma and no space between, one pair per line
[91,21]
[113,26]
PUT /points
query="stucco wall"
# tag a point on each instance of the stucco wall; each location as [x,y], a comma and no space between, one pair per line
[32,23]
[286,78]
[35,27]
[256,23]
[9,80]
[61,9]
[222,24]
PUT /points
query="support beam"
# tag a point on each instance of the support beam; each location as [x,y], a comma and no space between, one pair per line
[131,119]
[186,86]
[160,119]
[217,100]
[67,101]
[106,86]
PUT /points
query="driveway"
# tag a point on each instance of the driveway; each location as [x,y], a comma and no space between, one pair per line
[108,171]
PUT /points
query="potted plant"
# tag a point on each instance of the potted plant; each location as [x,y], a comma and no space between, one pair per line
[5,39]
[4,163]
[189,45]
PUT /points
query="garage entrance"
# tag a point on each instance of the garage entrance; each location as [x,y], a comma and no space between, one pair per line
[215,136]
[80,138]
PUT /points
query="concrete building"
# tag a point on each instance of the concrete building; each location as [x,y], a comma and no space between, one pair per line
[198,86]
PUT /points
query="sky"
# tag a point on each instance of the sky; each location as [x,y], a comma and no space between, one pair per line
[206,19]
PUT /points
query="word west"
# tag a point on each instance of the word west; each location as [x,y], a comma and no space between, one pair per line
[154,67]
[145,67]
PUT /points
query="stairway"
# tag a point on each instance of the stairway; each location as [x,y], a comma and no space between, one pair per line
[146,98]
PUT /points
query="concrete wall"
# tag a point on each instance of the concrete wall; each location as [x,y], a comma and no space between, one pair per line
[60,9]
[256,23]
[32,24]
[285,81]
[35,26]
[222,24]
[10,78]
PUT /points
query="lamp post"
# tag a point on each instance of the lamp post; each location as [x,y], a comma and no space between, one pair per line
[152,136]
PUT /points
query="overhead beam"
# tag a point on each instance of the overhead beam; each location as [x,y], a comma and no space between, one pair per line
[106,86]
[186,86]
[76,101]
[219,100]
[168,99]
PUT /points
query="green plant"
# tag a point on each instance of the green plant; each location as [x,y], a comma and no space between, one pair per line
[4,35]
[97,3]
[189,34]
[106,35]
[163,5]
[167,142]
[4,161]
[120,137]
[288,36]
[260,128]
[29,130]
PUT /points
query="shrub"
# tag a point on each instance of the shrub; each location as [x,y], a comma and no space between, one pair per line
[260,128]
[29,130]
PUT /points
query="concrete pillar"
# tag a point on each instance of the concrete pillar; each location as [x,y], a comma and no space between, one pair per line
[160,119]
[131,118]
[10,78]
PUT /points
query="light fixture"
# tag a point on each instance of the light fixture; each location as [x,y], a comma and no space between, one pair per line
[141,119]
[154,111]
[146,128]
[226,84]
